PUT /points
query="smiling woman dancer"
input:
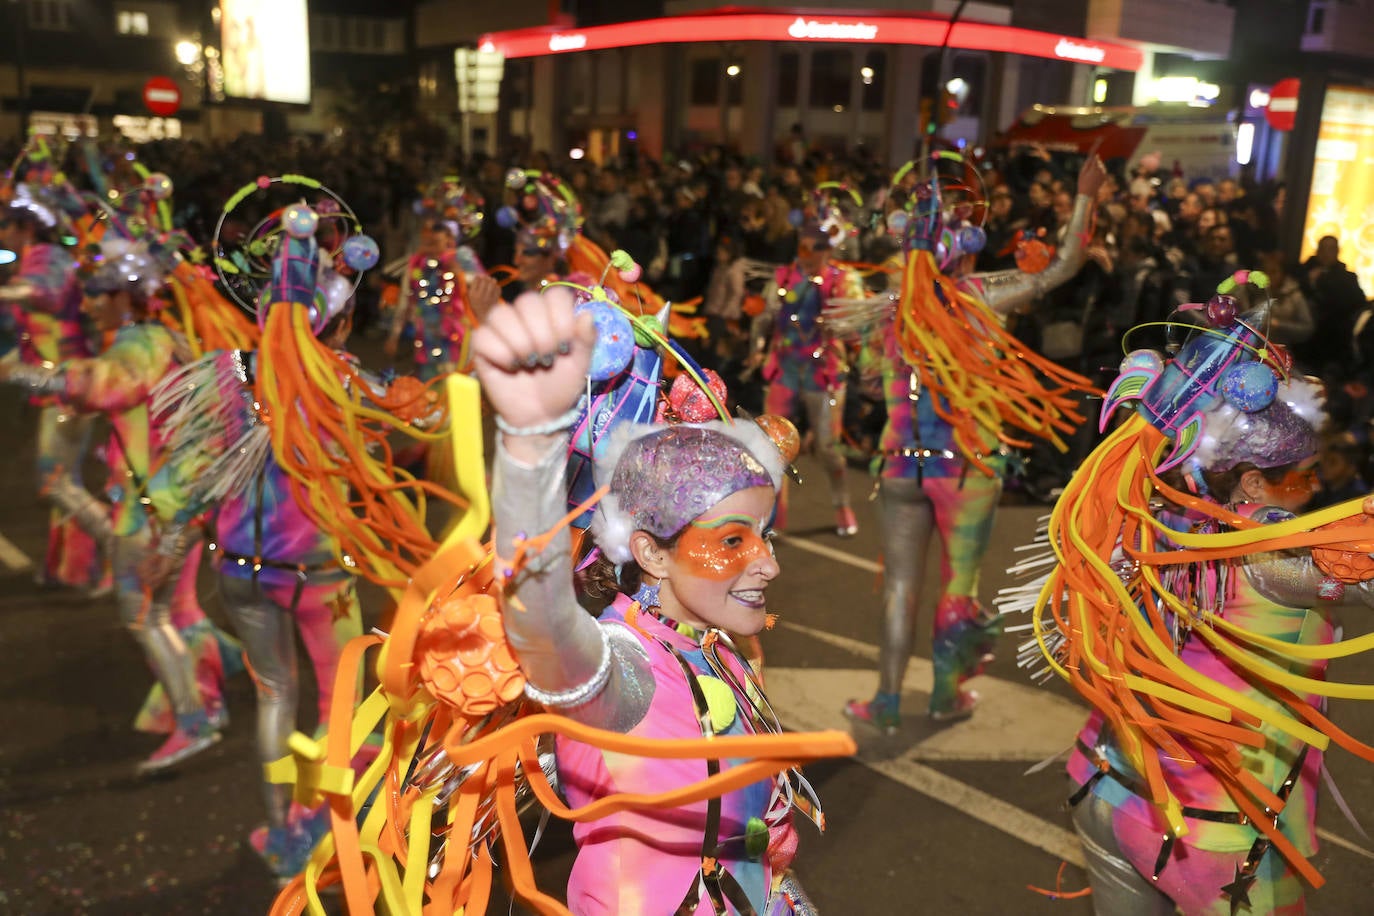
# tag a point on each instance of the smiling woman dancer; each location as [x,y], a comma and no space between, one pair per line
[685,525]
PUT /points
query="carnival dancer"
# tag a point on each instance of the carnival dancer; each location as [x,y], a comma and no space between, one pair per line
[1191,608]
[43,301]
[806,370]
[952,381]
[120,292]
[434,301]
[282,564]
[685,523]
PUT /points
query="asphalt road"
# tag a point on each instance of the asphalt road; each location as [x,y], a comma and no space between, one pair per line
[934,820]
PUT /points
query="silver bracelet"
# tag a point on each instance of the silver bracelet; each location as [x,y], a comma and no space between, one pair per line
[556,425]
[582,693]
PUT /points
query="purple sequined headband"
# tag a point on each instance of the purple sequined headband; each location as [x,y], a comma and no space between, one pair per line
[663,477]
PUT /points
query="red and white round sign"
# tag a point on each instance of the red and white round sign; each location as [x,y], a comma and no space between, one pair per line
[1282,110]
[161,96]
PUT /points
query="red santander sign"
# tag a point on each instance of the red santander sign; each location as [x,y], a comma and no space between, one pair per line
[1282,110]
[161,96]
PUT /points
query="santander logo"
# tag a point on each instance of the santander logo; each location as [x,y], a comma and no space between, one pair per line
[1072,50]
[844,31]
[567,42]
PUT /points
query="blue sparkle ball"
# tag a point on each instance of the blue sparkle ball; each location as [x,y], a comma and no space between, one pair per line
[896,222]
[507,218]
[1249,387]
[972,239]
[299,221]
[615,340]
[361,252]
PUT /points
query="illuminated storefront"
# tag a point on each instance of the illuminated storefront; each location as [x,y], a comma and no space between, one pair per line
[744,78]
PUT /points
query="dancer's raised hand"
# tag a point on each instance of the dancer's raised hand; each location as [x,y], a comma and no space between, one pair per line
[531,358]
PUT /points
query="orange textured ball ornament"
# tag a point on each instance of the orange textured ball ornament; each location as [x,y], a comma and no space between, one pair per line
[464,657]
[1350,560]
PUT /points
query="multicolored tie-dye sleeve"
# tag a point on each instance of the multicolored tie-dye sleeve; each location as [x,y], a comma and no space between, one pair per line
[122,377]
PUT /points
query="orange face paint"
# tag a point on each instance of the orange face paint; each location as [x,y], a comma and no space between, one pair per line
[722,548]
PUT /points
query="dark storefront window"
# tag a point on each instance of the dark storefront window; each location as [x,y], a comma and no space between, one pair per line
[704,83]
[832,75]
[789,75]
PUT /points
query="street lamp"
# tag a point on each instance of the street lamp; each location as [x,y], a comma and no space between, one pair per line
[187,52]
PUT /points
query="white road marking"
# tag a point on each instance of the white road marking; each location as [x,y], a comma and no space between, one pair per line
[13,558]
[1344,843]
[831,553]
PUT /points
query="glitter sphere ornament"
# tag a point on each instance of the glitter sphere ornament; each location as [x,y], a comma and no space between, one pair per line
[515,178]
[299,221]
[972,239]
[361,253]
[1222,310]
[507,218]
[158,185]
[897,221]
[1249,387]
[615,340]
[783,433]
[1143,359]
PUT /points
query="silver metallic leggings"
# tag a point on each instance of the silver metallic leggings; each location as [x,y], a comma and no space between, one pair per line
[824,411]
[1118,889]
[266,616]
[149,619]
[961,511]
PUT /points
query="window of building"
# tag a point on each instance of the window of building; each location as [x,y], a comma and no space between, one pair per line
[1316,18]
[581,83]
[131,22]
[789,76]
[610,80]
[873,81]
[703,82]
[50,15]
[832,75]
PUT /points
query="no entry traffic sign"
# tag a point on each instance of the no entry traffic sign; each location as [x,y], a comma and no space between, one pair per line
[161,96]
[1282,110]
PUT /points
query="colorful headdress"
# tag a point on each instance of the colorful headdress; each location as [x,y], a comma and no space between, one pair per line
[139,265]
[456,206]
[267,216]
[1223,382]
[663,477]
[944,206]
[833,214]
[545,215]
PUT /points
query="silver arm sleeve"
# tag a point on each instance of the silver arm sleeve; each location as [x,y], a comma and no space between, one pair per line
[560,646]
[44,379]
[1290,578]
[1007,290]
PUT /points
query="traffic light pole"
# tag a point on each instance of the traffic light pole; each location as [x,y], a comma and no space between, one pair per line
[933,97]
[21,34]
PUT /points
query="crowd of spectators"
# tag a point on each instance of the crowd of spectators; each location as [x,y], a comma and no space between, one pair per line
[1160,239]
